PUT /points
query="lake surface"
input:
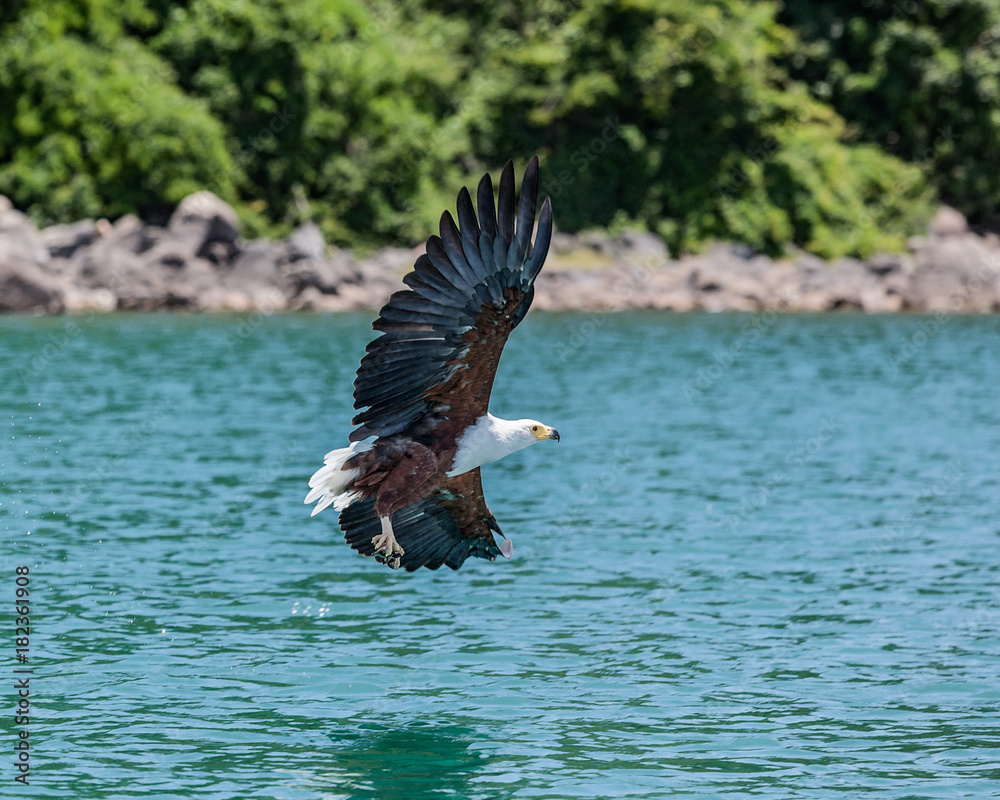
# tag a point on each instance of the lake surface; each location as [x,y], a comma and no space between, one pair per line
[763,561]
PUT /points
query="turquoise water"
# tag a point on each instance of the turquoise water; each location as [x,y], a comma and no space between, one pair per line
[763,561]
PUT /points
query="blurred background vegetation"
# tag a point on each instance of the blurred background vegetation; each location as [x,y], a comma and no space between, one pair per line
[831,126]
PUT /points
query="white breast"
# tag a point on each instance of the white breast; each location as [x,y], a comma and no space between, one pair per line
[490,439]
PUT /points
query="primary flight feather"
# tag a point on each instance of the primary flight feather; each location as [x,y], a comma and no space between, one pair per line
[408,488]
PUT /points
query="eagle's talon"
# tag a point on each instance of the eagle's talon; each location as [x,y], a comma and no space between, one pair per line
[392,562]
[387,549]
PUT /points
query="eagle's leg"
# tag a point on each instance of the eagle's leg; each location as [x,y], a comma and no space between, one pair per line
[387,549]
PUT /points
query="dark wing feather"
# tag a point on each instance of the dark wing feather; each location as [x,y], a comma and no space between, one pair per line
[470,234]
[442,338]
[445,528]
[526,211]
[505,204]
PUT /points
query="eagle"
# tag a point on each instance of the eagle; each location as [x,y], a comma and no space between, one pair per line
[408,487]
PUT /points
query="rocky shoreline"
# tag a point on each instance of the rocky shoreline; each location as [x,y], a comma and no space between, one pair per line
[199,262]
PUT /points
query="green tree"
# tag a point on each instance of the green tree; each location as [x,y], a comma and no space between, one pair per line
[99,129]
[677,116]
[331,110]
[919,79]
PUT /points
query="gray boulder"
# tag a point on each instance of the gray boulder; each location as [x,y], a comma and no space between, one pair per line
[257,264]
[562,243]
[25,285]
[947,222]
[390,261]
[143,267]
[327,275]
[955,273]
[22,239]
[128,234]
[256,273]
[202,232]
[306,242]
[642,247]
[727,281]
[837,286]
[203,219]
[64,240]
[882,264]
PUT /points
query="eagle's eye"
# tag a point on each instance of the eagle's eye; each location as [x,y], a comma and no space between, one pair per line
[534,429]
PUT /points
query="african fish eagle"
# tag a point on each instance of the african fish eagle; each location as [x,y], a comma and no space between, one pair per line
[408,488]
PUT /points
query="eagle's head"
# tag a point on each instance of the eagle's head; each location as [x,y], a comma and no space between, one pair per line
[535,431]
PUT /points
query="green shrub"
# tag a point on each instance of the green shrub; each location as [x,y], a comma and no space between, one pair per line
[330,111]
[100,131]
[918,79]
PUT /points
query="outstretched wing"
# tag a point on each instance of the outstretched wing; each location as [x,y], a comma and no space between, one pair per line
[446,527]
[442,338]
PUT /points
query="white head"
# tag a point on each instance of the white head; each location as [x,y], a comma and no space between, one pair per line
[534,431]
[529,431]
[492,438]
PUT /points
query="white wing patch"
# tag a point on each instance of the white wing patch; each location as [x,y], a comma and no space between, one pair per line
[329,482]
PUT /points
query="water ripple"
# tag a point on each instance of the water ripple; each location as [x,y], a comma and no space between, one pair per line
[765,569]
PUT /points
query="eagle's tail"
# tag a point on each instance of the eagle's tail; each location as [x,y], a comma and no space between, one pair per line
[330,481]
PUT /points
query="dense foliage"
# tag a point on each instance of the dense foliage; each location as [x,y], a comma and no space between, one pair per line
[919,79]
[726,119]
